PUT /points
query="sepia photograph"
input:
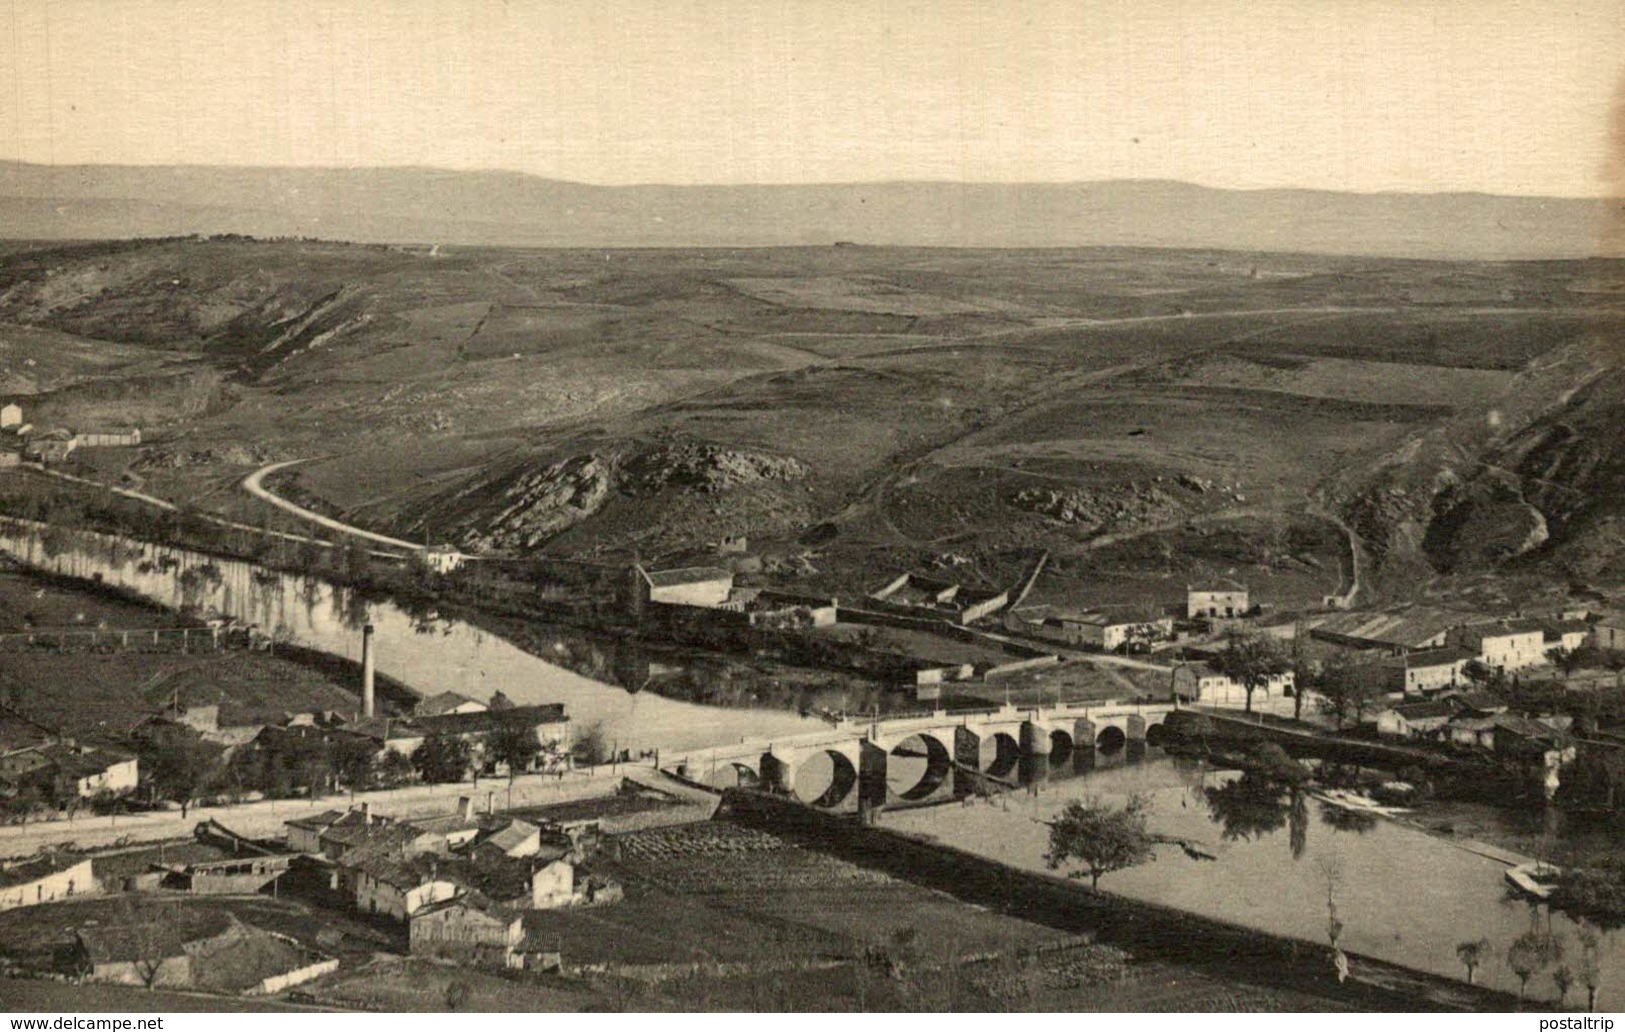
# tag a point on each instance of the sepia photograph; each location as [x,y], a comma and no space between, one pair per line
[779,506]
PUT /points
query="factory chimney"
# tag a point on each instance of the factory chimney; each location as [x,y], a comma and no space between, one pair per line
[368,706]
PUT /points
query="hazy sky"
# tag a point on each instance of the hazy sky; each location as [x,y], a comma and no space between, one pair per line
[1510,96]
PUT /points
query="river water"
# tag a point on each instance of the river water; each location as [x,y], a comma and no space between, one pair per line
[1403,896]
[429,655]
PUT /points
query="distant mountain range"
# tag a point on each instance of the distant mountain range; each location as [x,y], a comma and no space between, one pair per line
[419,205]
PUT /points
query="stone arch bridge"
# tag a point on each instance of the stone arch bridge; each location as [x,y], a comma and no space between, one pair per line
[925,758]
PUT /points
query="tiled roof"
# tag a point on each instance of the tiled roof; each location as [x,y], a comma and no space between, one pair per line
[325,819]
[490,720]
[1408,627]
[1424,710]
[445,702]
[1436,657]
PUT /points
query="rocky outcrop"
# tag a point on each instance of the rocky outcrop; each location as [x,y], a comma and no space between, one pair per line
[532,506]
[708,468]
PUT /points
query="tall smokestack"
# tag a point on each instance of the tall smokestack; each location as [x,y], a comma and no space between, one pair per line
[368,706]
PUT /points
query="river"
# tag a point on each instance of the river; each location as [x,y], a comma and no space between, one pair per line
[428,655]
[1403,895]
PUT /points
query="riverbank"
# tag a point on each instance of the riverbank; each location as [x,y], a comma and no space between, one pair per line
[1220,948]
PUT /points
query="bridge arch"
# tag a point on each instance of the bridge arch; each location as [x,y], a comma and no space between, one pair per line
[1000,755]
[918,766]
[1111,739]
[1155,734]
[731,774]
[1060,746]
[825,778]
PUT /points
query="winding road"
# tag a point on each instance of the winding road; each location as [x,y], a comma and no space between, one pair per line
[254,484]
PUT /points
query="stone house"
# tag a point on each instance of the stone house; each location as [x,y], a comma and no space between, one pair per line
[1415,719]
[1428,671]
[467,928]
[1608,631]
[1507,646]
[1222,598]
[399,887]
[1566,634]
[11,414]
[45,879]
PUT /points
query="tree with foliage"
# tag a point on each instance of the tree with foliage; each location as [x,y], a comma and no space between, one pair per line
[1483,675]
[1104,839]
[1471,954]
[1590,965]
[1250,661]
[394,769]
[177,763]
[354,761]
[1563,980]
[1347,688]
[512,745]
[499,702]
[1566,659]
[1305,671]
[592,746]
[1532,952]
[442,758]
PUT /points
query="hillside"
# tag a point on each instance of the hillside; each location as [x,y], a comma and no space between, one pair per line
[418,205]
[1146,416]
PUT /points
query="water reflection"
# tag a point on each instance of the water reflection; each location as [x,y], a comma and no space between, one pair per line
[1380,888]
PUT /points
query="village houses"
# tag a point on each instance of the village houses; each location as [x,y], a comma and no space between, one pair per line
[44,879]
[1221,598]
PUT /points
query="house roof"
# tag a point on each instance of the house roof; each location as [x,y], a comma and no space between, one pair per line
[155,939]
[1557,628]
[403,872]
[1110,616]
[82,762]
[1479,699]
[1436,657]
[1406,627]
[445,702]
[511,835]
[686,575]
[1523,726]
[317,822]
[1217,584]
[18,732]
[1427,710]
[490,720]
[470,900]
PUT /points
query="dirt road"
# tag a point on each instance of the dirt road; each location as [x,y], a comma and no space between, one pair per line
[254,484]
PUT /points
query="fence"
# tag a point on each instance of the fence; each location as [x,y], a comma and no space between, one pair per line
[167,640]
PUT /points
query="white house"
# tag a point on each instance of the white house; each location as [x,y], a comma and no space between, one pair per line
[1430,670]
[11,414]
[44,879]
[553,885]
[1507,646]
[1201,683]
[1220,598]
[1107,630]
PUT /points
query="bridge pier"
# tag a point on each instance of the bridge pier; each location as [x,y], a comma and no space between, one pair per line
[871,779]
[778,769]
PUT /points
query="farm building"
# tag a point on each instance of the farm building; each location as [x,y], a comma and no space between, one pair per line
[690,586]
[1415,719]
[1507,646]
[1222,598]
[151,953]
[925,596]
[1428,671]
[246,874]
[1108,630]
[66,772]
[1395,631]
[11,415]
[395,887]
[44,879]
[548,722]
[467,928]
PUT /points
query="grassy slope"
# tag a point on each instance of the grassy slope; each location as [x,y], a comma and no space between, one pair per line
[923,387]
